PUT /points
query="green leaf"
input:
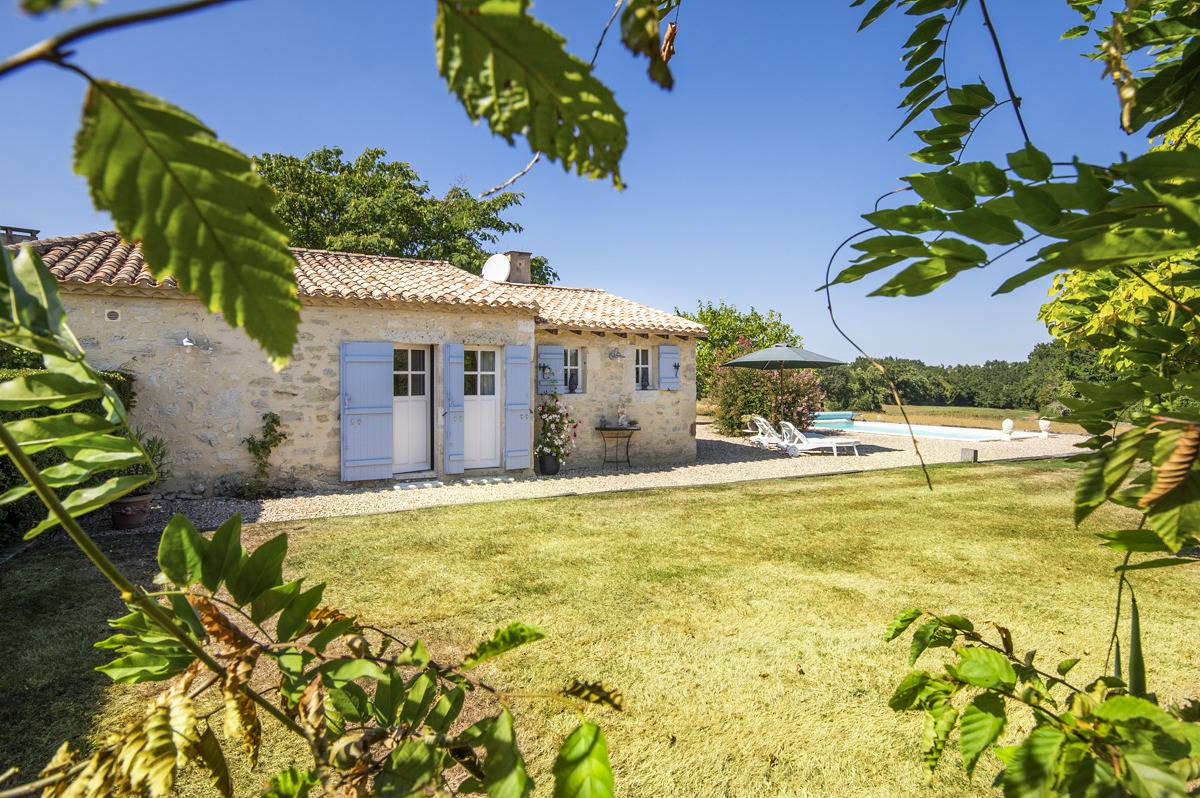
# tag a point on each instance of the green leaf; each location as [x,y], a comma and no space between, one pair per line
[200,212]
[908,218]
[1137,662]
[1175,518]
[939,722]
[346,669]
[1161,562]
[1106,471]
[262,571]
[295,615]
[45,389]
[1038,208]
[924,276]
[984,178]
[181,552]
[506,639]
[504,774]
[982,723]
[273,600]
[389,694]
[1076,31]
[514,72]
[420,697]
[410,767]
[330,633]
[1033,766]
[906,694]
[1134,540]
[1031,163]
[985,226]
[901,623]
[212,757]
[581,769]
[1066,665]
[224,555]
[446,711]
[85,500]
[145,667]
[875,12]
[983,667]
[943,190]
[37,434]
[1165,164]
[931,634]
[292,783]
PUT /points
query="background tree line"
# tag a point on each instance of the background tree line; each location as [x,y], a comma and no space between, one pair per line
[1038,383]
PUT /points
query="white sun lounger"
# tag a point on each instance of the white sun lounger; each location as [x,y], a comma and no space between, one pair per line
[767,437]
[796,441]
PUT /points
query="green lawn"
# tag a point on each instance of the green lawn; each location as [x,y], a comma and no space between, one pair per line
[743,623]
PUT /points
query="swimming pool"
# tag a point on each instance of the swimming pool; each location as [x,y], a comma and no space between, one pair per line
[920,430]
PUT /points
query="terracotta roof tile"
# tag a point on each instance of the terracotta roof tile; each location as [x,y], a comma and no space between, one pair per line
[102,261]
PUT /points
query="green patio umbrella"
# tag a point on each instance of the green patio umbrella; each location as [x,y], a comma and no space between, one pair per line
[780,357]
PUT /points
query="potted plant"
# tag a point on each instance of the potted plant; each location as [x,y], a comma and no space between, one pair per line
[556,435]
[129,511]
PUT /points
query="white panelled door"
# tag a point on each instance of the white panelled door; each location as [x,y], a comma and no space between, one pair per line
[481,411]
[411,417]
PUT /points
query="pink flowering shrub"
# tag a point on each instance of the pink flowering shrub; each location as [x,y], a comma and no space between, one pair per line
[739,392]
[556,428]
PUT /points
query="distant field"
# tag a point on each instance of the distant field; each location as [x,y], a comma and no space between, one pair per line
[986,417]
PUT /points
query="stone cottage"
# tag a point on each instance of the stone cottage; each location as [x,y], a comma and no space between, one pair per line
[403,368]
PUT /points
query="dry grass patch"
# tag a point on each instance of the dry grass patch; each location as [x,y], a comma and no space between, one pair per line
[743,623]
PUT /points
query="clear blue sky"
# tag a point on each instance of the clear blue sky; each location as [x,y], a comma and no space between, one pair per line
[741,180]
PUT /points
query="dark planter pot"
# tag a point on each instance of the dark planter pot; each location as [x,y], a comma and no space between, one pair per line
[129,512]
[548,464]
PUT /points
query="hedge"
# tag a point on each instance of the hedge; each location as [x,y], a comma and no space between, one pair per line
[20,515]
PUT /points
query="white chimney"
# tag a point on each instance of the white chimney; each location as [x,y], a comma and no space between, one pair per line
[520,267]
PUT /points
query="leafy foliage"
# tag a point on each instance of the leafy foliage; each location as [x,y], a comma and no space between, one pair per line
[1122,239]
[556,429]
[381,207]
[512,71]
[201,214]
[727,325]
[794,395]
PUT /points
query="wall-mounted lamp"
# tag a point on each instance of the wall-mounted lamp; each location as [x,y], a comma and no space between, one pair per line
[615,354]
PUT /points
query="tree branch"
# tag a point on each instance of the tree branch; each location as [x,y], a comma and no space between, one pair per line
[1016,101]
[54,49]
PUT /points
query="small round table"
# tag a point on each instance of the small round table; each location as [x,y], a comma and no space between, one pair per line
[613,438]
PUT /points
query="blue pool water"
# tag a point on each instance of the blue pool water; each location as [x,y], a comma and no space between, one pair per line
[920,430]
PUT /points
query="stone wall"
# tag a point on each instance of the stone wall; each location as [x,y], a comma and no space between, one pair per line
[667,418]
[205,399]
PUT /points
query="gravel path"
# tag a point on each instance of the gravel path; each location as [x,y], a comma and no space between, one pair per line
[719,460]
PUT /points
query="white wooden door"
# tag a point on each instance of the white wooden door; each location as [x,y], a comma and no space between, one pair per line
[481,411]
[411,418]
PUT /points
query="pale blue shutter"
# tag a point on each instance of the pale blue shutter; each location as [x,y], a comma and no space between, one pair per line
[452,414]
[668,373]
[518,412]
[554,357]
[366,374]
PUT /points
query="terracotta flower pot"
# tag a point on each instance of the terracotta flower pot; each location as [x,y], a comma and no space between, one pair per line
[548,464]
[129,512]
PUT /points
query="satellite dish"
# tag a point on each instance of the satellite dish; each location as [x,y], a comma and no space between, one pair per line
[496,269]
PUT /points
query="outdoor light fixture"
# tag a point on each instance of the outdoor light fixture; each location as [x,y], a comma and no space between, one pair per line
[187,342]
[615,354]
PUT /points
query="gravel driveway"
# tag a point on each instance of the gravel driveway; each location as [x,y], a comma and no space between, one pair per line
[719,460]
